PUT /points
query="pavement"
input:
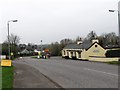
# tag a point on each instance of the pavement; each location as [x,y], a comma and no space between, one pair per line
[65,73]
[29,77]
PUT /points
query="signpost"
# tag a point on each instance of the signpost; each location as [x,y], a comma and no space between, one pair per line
[6,63]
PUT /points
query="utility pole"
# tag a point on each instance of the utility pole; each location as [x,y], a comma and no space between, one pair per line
[118,11]
[8,40]
[119,20]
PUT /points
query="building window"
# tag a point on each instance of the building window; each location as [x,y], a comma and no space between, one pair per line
[95,45]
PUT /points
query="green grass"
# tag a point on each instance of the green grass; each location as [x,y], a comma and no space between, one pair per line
[34,57]
[0,77]
[7,77]
[114,62]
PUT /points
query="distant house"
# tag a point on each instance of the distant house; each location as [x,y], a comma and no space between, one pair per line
[83,50]
[25,51]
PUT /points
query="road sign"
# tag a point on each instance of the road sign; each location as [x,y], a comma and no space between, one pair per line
[6,62]
[46,50]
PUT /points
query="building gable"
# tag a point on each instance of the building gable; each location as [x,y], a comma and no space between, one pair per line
[93,45]
[96,50]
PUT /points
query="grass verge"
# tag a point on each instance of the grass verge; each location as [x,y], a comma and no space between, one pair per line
[0,77]
[7,77]
[34,57]
[114,62]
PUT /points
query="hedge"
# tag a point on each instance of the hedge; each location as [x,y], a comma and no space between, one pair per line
[113,53]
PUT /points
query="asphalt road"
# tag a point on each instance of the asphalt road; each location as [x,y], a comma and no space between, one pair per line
[28,77]
[74,73]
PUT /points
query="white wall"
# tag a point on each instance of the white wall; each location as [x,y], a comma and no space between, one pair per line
[2,57]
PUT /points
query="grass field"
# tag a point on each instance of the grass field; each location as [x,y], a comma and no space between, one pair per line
[7,77]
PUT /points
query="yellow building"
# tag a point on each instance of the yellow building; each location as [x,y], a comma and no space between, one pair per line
[84,50]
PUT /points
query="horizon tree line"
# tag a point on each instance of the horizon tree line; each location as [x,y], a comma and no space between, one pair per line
[105,40]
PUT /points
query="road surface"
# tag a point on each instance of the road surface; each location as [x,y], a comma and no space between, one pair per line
[28,77]
[74,73]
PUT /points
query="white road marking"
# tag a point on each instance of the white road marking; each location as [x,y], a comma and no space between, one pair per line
[100,72]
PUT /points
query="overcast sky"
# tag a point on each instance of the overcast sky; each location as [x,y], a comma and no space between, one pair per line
[53,20]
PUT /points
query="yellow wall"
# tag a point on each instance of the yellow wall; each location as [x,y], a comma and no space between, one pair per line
[65,53]
[96,51]
[62,53]
[70,56]
[84,55]
[103,59]
[93,51]
[77,55]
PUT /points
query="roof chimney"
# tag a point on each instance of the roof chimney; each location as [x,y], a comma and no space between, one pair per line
[95,40]
[79,41]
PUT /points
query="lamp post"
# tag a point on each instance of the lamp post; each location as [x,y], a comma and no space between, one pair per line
[118,11]
[118,23]
[41,45]
[9,37]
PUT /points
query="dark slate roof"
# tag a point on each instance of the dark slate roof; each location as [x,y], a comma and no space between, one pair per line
[84,45]
[111,46]
[24,51]
[73,46]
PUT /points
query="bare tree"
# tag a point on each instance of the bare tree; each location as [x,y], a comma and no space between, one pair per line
[14,39]
[108,39]
[91,35]
[66,41]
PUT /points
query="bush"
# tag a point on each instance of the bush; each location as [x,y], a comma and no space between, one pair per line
[113,53]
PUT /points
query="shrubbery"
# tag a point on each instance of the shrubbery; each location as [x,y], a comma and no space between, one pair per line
[113,53]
